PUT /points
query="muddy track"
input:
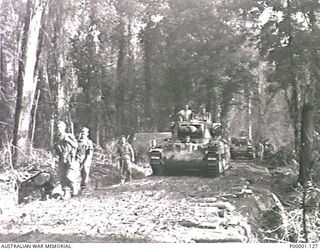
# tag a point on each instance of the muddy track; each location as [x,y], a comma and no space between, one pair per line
[152,209]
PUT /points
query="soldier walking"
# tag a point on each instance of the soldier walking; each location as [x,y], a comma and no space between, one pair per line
[126,155]
[84,156]
[69,172]
[260,150]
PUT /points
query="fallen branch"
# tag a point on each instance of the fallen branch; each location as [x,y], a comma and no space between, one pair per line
[276,240]
[20,150]
[16,184]
[4,123]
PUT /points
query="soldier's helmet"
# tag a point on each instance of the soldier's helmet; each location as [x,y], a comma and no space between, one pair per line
[61,125]
[202,106]
[122,138]
[85,130]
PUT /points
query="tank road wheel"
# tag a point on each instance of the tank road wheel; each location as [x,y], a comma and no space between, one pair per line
[232,155]
[209,166]
[214,169]
[214,165]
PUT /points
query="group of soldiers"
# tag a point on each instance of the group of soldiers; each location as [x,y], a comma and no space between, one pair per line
[75,157]
[186,114]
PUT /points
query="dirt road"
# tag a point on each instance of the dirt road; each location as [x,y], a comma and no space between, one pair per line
[152,209]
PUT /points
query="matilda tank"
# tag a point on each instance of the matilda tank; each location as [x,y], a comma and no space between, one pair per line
[241,147]
[193,146]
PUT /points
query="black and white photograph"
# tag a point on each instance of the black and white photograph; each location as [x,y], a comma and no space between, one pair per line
[159,121]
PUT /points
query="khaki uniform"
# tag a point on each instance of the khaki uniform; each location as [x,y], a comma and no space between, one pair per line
[69,168]
[204,116]
[260,151]
[190,146]
[84,156]
[125,152]
[185,115]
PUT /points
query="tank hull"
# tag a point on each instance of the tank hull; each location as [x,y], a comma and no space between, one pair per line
[199,162]
[194,147]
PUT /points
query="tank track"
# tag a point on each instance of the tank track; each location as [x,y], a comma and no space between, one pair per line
[214,162]
[213,165]
[157,169]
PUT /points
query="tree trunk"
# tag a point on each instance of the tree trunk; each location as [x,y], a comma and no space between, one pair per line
[294,106]
[147,71]
[62,102]
[211,100]
[2,97]
[34,120]
[306,146]
[120,89]
[261,119]
[58,61]
[52,133]
[226,111]
[307,128]
[215,105]
[62,105]
[249,114]
[307,123]
[27,84]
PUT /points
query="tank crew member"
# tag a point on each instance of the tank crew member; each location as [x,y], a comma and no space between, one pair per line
[204,115]
[84,155]
[69,168]
[126,154]
[185,114]
[153,142]
[190,146]
[242,133]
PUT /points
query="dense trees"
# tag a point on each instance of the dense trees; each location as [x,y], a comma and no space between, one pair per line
[123,66]
[288,41]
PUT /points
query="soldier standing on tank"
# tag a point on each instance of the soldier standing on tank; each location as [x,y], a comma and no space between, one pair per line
[185,114]
[204,115]
[153,142]
[69,172]
[126,157]
[84,155]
